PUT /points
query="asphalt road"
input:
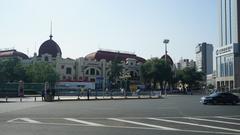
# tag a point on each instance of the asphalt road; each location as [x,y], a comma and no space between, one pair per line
[173,115]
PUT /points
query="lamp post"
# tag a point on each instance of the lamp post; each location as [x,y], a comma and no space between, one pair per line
[165,41]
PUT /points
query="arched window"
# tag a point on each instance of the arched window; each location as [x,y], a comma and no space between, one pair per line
[98,72]
[87,72]
[92,71]
[46,58]
[68,70]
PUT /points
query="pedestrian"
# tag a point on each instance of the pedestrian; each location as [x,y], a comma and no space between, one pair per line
[53,93]
[82,91]
[107,94]
[21,89]
[42,94]
[88,93]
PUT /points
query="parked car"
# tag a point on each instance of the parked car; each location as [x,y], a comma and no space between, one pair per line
[220,97]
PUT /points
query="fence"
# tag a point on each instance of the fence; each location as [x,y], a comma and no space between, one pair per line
[100,94]
[9,89]
[35,91]
[12,89]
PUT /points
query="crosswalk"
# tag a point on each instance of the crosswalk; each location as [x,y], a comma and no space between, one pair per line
[206,124]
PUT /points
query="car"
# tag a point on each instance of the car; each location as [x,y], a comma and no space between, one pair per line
[220,97]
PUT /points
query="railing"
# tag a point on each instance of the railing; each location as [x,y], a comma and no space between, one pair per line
[35,92]
[100,94]
[10,91]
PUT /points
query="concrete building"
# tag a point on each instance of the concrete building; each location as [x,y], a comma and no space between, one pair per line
[211,79]
[204,58]
[183,63]
[94,67]
[228,52]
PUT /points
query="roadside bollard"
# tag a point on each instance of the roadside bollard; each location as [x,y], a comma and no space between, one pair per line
[160,94]
[111,94]
[88,94]
[35,99]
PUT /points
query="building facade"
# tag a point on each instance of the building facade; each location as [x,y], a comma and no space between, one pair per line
[183,63]
[228,52]
[204,58]
[94,67]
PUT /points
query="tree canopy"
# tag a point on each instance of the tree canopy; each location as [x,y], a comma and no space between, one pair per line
[190,76]
[115,71]
[156,71]
[41,72]
[12,70]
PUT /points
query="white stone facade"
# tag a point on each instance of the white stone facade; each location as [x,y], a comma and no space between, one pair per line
[83,69]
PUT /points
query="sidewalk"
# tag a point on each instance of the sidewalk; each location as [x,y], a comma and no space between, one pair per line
[74,98]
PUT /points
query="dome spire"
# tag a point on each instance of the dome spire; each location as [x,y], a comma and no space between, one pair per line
[51,31]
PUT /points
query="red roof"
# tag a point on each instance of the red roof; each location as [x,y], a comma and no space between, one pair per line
[13,53]
[109,56]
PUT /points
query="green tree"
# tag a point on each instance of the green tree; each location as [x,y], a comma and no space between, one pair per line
[11,70]
[146,73]
[190,76]
[115,71]
[42,72]
[156,71]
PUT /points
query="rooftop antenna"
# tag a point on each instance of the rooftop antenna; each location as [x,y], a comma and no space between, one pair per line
[51,31]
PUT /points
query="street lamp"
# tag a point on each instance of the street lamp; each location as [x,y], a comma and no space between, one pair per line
[166,41]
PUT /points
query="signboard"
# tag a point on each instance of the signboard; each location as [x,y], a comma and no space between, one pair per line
[75,85]
[228,49]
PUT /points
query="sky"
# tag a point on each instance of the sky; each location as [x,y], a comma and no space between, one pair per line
[84,26]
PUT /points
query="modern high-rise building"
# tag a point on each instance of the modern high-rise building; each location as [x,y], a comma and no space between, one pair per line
[204,58]
[228,53]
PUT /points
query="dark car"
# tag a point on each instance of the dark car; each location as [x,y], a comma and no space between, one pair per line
[220,97]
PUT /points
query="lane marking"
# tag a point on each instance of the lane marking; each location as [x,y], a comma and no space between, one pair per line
[139,128]
[83,122]
[217,121]
[143,124]
[195,124]
[227,118]
[28,120]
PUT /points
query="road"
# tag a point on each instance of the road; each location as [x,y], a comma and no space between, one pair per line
[174,115]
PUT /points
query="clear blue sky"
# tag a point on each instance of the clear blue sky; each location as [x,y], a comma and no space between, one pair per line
[83,26]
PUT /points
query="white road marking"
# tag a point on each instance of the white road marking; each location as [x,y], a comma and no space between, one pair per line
[139,128]
[28,120]
[143,124]
[195,124]
[83,122]
[217,121]
[22,121]
[227,118]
